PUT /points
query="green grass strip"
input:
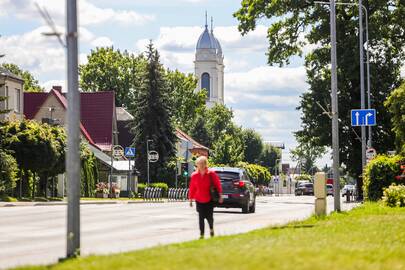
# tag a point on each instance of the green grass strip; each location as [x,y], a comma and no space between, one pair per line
[371,236]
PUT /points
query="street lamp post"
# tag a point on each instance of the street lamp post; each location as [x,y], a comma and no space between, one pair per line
[73,131]
[362,94]
[147,158]
[334,113]
[276,172]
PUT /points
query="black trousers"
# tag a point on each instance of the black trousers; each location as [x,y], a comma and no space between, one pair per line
[205,211]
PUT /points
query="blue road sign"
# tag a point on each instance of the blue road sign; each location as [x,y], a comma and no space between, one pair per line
[364,117]
[129,151]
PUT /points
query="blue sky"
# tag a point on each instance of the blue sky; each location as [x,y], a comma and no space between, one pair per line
[262,97]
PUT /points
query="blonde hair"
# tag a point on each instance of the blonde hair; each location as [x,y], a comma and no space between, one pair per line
[202,159]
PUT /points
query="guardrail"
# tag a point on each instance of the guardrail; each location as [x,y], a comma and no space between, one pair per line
[177,194]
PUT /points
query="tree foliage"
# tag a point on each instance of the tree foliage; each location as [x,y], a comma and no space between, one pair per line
[253,143]
[30,83]
[307,152]
[228,150]
[396,106]
[8,172]
[153,117]
[269,156]
[108,69]
[187,103]
[296,24]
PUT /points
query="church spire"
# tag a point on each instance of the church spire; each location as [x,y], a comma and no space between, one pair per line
[206,20]
[212,24]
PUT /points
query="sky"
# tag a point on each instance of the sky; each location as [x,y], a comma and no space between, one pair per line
[262,97]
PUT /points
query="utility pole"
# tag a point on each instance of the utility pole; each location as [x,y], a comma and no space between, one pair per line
[362,93]
[335,115]
[73,118]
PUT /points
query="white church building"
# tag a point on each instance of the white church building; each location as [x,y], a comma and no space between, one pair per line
[209,66]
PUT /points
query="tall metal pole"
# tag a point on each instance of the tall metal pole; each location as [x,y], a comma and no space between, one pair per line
[147,159]
[370,136]
[73,118]
[335,116]
[362,92]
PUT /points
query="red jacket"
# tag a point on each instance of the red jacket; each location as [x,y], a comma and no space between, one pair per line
[200,186]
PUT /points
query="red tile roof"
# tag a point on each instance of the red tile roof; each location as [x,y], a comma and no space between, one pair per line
[97,113]
[182,135]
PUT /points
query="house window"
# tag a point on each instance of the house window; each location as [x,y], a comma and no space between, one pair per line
[6,101]
[205,83]
[17,100]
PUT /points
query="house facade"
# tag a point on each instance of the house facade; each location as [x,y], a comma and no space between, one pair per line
[11,87]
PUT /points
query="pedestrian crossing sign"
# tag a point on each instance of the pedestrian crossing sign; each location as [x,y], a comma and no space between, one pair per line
[129,151]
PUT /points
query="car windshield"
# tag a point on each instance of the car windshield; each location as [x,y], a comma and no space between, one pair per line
[308,185]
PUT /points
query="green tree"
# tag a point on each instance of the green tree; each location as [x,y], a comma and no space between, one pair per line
[8,172]
[253,145]
[228,150]
[30,83]
[153,118]
[295,24]
[108,69]
[218,122]
[187,103]
[307,153]
[200,132]
[269,156]
[395,103]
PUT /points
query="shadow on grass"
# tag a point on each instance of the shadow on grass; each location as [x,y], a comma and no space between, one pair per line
[299,226]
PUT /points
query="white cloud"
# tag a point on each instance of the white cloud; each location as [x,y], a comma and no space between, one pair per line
[266,80]
[89,14]
[102,42]
[44,56]
[177,45]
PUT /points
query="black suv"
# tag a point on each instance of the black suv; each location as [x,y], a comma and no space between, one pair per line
[238,190]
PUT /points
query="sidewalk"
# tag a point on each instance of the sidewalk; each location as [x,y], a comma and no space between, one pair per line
[82,202]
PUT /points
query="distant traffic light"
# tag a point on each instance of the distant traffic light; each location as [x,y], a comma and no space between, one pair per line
[184,169]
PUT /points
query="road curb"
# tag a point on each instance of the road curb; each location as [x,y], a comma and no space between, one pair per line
[21,204]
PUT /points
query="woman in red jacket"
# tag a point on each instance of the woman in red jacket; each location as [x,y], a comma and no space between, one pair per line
[200,185]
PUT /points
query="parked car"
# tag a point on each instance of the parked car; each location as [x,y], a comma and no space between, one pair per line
[238,191]
[348,188]
[329,189]
[304,189]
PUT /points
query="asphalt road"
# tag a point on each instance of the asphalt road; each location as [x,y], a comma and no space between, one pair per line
[36,234]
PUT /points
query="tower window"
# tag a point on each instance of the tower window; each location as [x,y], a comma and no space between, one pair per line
[205,83]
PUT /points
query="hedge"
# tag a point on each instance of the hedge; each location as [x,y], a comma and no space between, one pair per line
[380,173]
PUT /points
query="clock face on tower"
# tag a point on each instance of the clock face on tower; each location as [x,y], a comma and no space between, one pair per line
[204,56]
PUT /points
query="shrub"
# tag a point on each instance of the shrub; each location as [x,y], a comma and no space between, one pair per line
[163,186]
[380,173]
[394,196]
[258,174]
[141,188]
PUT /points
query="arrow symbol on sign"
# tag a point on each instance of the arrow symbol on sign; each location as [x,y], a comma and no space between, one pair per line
[357,118]
[367,116]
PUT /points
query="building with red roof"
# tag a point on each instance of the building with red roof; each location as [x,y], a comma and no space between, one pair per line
[98,124]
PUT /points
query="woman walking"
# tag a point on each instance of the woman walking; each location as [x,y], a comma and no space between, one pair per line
[200,190]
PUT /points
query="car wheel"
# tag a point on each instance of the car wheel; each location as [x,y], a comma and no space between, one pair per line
[245,208]
[253,207]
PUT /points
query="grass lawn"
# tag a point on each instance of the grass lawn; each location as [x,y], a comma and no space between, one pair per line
[369,237]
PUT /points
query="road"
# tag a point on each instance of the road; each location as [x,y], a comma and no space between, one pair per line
[36,234]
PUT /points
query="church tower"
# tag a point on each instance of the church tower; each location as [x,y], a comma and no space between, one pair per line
[209,66]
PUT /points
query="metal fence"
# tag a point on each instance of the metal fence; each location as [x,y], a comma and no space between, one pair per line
[177,194]
[152,194]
